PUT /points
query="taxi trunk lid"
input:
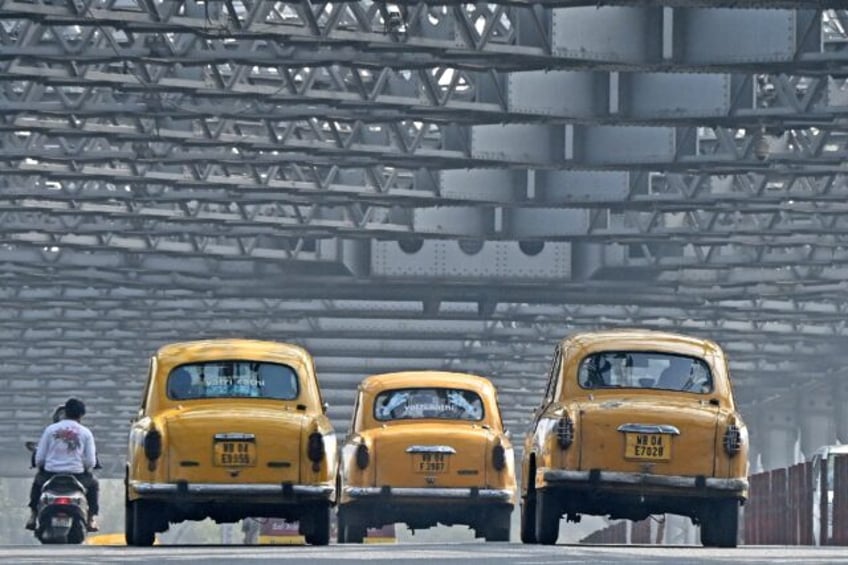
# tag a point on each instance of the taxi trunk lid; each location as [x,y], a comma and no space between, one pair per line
[243,444]
[661,436]
[432,455]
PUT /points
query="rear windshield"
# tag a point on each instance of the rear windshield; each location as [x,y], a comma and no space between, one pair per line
[233,379]
[640,369]
[427,403]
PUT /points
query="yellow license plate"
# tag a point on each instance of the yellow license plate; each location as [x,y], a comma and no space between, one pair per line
[430,462]
[653,447]
[235,454]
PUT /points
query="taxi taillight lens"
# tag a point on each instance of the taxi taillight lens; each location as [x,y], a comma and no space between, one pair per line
[499,457]
[363,457]
[732,440]
[315,449]
[153,444]
[565,431]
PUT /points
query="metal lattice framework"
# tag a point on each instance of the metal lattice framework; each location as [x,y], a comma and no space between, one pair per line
[415,184]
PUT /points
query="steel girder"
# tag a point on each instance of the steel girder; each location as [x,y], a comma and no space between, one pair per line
[763,4]
[473,36]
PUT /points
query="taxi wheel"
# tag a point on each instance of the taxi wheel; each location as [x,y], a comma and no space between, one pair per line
[547,518]
[129,523]
[720,525]
[142,521]
[498,526]
[350,529]
[320,532]
[528,518]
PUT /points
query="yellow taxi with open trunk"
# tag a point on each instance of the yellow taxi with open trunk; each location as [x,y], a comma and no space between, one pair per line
[228,429]
[633,423]
[426,447]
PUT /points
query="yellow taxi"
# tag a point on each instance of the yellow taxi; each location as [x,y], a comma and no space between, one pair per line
[426,447]
[634,423]
[228,429]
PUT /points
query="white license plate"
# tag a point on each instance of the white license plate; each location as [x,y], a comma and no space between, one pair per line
[61,521]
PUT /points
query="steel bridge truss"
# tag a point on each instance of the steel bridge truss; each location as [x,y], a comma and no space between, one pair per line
[415,184]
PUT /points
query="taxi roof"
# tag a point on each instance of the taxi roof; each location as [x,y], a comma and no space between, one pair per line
[424,378]
[210,349]
[629,337]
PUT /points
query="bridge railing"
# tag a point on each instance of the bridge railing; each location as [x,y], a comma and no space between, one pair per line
[780,507]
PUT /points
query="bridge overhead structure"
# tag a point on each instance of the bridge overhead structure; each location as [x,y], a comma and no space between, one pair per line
[420,184]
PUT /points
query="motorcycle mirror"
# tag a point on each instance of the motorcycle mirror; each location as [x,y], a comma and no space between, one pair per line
[31,445]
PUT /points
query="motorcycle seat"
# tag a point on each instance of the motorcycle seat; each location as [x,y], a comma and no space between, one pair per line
[63,484]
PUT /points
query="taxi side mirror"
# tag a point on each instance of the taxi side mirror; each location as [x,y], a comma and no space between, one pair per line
[507,434]
[325,406]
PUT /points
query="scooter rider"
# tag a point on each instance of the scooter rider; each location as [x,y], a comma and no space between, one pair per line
[67,447]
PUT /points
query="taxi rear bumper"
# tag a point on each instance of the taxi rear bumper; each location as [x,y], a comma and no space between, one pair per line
[219,489]
[358,493]
[557,477]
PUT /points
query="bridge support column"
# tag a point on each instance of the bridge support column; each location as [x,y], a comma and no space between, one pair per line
[774,432]
[817,417]
[840,412]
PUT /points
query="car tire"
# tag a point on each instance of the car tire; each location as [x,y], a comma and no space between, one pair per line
[141,519]
[720,525]
[319,533]
[129,523]
[547,518]
[351,528]
[528,518]
[498,526]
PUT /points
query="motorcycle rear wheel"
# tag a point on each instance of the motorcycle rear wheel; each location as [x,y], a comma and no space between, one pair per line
[77,533]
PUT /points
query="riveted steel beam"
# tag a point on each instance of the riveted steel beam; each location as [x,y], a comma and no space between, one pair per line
[513,38]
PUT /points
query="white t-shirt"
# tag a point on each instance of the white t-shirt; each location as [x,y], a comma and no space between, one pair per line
[66,447]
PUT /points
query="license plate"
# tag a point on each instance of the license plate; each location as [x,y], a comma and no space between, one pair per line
[235,454]
[61,521]
[430,462]
[652,447]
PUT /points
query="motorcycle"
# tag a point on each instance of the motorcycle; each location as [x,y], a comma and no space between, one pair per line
[62,509]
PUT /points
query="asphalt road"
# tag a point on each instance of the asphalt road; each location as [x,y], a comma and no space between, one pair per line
[459,553]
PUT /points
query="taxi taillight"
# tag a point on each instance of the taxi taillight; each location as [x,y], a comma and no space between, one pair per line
[153,444]
[732,440]
[565,431]
[499,457]
[315,450]
[363,457]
